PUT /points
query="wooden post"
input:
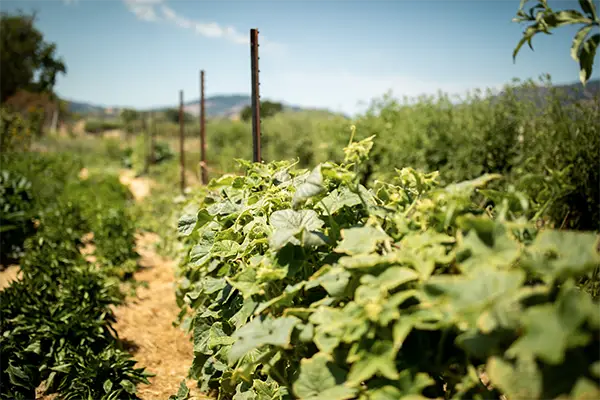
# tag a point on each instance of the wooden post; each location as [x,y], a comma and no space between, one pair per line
[181,136]
[146,142]
[203,170]
[54,127]
[152,138]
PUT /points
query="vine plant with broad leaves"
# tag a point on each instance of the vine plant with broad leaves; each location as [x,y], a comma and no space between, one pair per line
[308,285]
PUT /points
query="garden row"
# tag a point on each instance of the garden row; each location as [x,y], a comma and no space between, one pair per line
[57,318]
[308,285]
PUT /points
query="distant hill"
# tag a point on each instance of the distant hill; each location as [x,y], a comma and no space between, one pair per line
[84,108]
[227,106]
[575,92]
[219,106]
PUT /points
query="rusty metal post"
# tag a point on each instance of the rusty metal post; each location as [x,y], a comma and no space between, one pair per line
[181,135]
[152,138]
[255,96]
[203,170]
[146,142]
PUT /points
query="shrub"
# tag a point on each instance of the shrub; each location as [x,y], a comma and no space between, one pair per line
[15,131]
[100,126]
[16,215]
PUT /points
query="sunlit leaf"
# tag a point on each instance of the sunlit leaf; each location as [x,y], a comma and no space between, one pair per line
[321,379]
[257,333]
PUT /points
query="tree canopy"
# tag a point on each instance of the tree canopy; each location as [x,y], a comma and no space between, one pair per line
[172,115]
[27,61]
[129,115]
[267,109]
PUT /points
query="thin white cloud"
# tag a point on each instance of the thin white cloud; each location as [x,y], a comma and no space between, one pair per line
[143,9]
[155,10]
[69,2]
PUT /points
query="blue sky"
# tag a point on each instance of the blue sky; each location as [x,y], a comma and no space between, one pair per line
[316,53]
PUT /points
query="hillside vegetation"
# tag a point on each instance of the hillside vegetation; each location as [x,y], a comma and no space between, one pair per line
[542,139]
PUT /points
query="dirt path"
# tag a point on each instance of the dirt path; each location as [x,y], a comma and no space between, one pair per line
[145,321]
[11,273]
[140,187]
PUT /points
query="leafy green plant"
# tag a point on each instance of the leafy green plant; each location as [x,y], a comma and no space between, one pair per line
[104,202]
[15,131]
[545,19]
[28,186]
[57,332]
[306,284]
[57,320]
[16,215]
[162,152]
[113,149]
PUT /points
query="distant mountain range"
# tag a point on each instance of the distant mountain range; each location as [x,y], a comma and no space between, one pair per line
[573,91]
[229,106]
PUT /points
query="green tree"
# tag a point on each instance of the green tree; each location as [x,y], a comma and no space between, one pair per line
[267,109]
[27,62]
[545,19]
[129,115]
[172,115]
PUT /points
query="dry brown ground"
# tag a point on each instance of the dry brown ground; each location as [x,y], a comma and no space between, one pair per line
[11,273]
[146,320]
[146,323]
[140,187]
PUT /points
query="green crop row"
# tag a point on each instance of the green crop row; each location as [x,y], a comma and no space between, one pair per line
[57,333]
[309,285]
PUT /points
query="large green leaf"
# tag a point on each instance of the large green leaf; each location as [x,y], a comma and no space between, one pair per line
[550,329]
[321,379]
[312,186]
[586,57]
[360,240]
[340,198]
[380,359]
[289,223]
[520,381]
[487,244]
[562,254]
[257,333]
[465,298]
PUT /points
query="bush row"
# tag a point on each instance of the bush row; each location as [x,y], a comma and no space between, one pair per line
[57,334]
[308,285]
[99,126]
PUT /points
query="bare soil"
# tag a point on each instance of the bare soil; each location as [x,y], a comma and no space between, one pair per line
[145,321]
[11,273]
[139,187]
